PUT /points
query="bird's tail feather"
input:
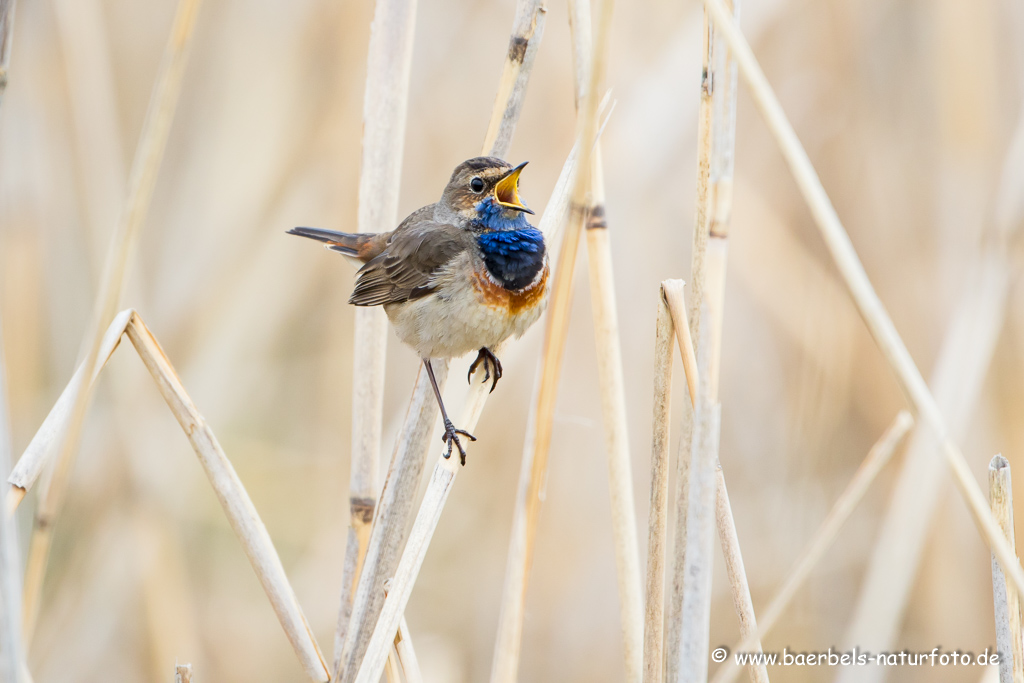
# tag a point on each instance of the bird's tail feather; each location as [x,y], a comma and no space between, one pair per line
[361,246]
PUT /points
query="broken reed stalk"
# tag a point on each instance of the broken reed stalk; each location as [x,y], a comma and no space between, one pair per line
[956,381]
[726,526]
[871,309]
[439,485]
[145,167]
[33,459]
[388,70]
[46,439]
[1005,596]
[238,507]
[657,525]
[182,673]
[407,463]
[877,458]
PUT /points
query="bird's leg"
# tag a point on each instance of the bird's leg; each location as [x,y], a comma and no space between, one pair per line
[450,432]
[487,357]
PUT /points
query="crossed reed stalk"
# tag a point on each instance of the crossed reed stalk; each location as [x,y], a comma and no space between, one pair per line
[666,635]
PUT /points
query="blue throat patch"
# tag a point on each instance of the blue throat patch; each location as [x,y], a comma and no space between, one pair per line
[513,257]
[493,216]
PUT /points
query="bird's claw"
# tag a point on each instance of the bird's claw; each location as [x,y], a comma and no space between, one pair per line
[451,436]
[487,357]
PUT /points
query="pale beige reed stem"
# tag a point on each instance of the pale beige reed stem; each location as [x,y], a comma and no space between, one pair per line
[238,507]
[672,290]
[407,654]
[717,213]
[695,612]
[657,525]
[504,667]
[610,378]
[12,656]
[871,308]
[388,70]
[877,458]
[12,663]
[145,168]
[1006,598]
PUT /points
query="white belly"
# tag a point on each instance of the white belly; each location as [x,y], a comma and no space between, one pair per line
[459,317]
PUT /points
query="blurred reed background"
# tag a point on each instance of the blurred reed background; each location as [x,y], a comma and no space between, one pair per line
[906,109]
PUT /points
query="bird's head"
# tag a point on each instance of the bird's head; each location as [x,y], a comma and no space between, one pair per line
[484,192]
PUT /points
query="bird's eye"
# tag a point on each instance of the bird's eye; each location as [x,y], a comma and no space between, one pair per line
[477,185]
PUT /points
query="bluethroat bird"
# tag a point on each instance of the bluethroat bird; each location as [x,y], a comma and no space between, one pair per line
[460,275]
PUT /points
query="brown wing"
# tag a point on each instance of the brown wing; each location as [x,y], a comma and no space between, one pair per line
[407,266]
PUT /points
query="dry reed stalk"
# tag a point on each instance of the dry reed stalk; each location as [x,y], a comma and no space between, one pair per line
[46,438]
[613,404]
[388,70]
[403,475]
[231,493]
[610,378]
[12,662]
[880,325]
[590,68]
[182,673]
[390,524]
[672,291]
[1005,596]
[695,611]
[877,458]
[12,656]
[654,613]
[145,167]
[738,584]
[527,32]
[705,132]
[956,382]
[406,654]
[383,636]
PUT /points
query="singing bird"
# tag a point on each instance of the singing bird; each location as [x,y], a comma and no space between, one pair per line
[460,275]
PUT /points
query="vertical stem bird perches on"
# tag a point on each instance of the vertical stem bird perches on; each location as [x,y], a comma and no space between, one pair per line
[388,70]
[1005,596]
[870,306]
[389,532]
[438,488]
[145,167]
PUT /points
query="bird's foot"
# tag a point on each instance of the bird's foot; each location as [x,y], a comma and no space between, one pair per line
[451,436]
[487,357]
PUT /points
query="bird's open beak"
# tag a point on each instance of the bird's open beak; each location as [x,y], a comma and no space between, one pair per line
[506,190]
